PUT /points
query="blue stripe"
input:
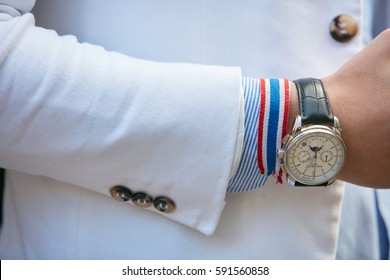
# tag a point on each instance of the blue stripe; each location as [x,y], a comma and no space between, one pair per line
[248,176]
[273,125]
[251,134]
[236,181]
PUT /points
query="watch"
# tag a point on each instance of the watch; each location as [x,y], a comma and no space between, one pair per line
[315,152]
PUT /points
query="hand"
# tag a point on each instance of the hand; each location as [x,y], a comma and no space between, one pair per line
[359,93]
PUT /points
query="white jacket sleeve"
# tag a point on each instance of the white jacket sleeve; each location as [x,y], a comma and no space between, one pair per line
[79,114]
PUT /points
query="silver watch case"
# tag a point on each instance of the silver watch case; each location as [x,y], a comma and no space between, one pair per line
[300,132]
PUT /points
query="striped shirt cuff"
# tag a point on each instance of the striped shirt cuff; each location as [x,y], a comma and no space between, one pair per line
[266,115]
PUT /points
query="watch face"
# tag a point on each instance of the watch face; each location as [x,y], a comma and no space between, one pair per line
[315,156]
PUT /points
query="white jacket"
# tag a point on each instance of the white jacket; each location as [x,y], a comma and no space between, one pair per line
[76,120]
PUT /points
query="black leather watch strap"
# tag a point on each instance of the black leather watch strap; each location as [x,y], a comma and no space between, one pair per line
[313,102]
[299,184]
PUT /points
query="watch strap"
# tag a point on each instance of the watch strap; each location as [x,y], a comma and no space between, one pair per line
[314,104]
[299,184]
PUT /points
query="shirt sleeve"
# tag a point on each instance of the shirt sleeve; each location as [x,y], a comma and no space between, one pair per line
[266,115]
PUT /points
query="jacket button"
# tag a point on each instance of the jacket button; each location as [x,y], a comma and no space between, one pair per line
[142,200]
[164,204]
[120,193]
[343,28]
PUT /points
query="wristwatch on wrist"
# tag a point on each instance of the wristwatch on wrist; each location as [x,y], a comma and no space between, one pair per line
[315,152]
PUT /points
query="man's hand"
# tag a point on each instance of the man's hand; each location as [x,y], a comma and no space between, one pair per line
[359,94]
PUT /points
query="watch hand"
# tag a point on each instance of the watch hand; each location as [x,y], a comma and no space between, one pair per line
[315,149]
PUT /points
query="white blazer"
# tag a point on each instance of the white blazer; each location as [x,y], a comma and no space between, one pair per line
[162,118]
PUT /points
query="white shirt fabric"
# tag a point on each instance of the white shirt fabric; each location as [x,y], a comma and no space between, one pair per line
[77,120]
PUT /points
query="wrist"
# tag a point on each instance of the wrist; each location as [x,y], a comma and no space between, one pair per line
[340,107]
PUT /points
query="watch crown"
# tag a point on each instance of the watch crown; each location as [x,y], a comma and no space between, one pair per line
[280,154]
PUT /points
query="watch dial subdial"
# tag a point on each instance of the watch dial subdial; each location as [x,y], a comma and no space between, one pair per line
[326,156]
[303,156]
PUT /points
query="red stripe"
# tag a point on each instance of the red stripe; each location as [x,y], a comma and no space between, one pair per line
[286,111]
[286,106]
[261,127]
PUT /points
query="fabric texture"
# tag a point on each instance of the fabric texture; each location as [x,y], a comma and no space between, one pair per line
[68,214]
[266,115]
[83,121]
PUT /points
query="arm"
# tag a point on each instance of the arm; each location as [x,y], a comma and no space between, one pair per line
[77,113]
[359,94]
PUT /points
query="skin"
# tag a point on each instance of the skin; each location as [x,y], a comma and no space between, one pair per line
[359,94]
